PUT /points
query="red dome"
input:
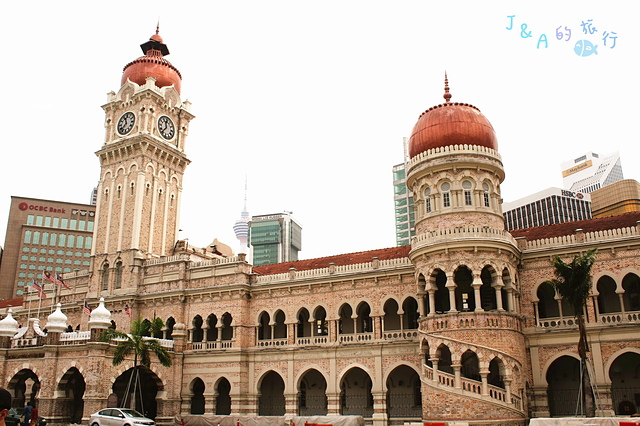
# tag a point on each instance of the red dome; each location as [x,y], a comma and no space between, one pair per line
[451,124]
[152,64]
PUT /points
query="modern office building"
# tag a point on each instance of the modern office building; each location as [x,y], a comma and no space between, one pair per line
[403,205]
[44,235]
[615,199]
[553,205]
[591,171]
[460,327]
[274,238]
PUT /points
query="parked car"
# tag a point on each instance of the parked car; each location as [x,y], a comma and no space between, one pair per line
[119,417]
[15,414]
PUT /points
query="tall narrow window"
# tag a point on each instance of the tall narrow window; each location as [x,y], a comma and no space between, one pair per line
[485,189]
[466,189]
[105,277]
[427,200]
[27,237]
[446,196]
[118,281]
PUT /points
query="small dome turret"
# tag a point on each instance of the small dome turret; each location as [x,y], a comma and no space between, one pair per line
[57,321]
[8,325]
[100,316]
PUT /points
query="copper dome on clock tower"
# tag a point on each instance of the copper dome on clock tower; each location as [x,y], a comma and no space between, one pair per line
[451,123]
[153,64]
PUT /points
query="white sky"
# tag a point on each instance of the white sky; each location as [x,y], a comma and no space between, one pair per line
[311,100]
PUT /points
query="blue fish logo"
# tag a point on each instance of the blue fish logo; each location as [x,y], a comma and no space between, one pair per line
[585,48]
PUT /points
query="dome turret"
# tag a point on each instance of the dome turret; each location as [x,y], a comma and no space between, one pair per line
[153,64]
[451,123]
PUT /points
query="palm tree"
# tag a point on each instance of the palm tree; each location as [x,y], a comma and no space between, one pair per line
[141,344]
[573,282]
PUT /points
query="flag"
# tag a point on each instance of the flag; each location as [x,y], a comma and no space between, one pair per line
[86,309]
[37,287]
[47,276]
[58,280]
[127,310]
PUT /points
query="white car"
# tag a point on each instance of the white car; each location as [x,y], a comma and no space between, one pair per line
[119,417]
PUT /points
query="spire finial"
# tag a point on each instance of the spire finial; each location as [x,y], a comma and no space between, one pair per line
[158,27]
[447,95]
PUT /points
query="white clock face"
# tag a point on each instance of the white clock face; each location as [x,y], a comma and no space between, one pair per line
[166,127]
[126,122]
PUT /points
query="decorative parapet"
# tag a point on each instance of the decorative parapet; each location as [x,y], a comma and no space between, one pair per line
[453,234]
[375,265]
[219,261]
[583,237]
[453,149]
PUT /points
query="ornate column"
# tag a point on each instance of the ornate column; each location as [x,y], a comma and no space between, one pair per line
[451,285]
[484,374]
[477,284]
[457,375]
[432,302]
[498,285]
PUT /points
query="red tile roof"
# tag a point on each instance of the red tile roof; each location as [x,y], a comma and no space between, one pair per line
[11,302]
[339,260]
[626,220]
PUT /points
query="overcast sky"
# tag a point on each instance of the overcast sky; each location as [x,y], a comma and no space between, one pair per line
[311,100]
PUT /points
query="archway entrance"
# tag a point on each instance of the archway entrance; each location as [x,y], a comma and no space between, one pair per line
[223,397]
[71,405]
[197,398]
[313,396]
[25,385]
[355,393]
[404,394]
[145,385]
[271,395]
[563,378]
[625,384]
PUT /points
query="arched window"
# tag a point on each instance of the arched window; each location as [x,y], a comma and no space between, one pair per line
[427,200]
[105,277]
[466,189]
[118,281]
[485,189]
[446,196]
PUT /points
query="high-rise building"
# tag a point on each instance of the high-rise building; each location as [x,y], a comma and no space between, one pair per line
[553,205]
[274,238]
[615,199]
[241,227]
[44,235]
[591,171]
[403,205]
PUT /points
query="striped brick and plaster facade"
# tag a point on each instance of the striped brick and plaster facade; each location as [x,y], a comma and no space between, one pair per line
[459,326]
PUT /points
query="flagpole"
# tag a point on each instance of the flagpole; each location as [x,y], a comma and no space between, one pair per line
[40,298]
[29,294]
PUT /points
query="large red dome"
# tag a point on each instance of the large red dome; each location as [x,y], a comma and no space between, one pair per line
[451,123]
[153,64]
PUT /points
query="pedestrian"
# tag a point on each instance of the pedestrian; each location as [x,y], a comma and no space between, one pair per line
[34,416]
[26,414]
[5,405]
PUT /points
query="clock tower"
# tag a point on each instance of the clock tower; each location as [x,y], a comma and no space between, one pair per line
[142,162]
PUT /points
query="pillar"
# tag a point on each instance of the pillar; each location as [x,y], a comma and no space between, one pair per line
[457,375]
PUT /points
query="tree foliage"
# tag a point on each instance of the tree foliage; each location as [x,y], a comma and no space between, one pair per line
[138,342]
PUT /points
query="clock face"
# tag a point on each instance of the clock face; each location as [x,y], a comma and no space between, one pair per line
[166,128]
[126,122]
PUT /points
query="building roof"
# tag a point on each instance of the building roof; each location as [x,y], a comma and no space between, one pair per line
[338,260]
[153,64]
[451,123]
[11,302]
[626,220]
